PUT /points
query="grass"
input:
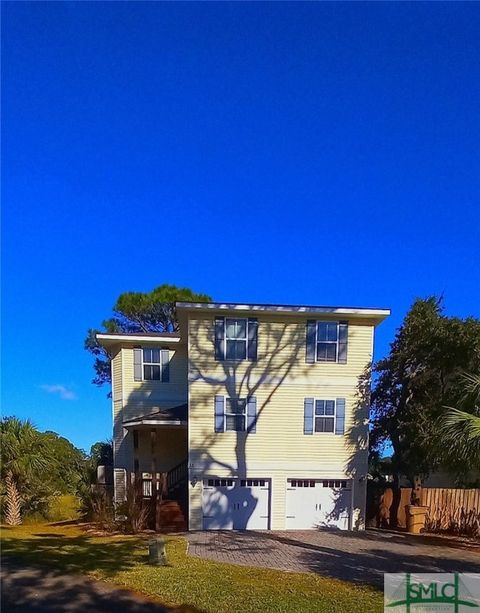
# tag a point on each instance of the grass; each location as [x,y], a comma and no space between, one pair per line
[210,587]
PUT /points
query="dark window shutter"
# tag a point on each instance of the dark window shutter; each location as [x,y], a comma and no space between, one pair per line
[340,416]
[308,416]
[165,358]
[251,414]
[219,338]
[310,338]
[219,414]
[137,364]
[342,342]
[252,339]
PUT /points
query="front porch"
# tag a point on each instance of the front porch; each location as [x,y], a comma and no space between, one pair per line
[160,467]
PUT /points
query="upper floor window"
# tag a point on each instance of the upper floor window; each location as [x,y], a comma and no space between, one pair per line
[151,364]
[326,341]
[236,338]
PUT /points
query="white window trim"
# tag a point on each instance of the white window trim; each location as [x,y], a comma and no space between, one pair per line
[245,319]
[334,416]
[336,343]
[225,413]
[160,363]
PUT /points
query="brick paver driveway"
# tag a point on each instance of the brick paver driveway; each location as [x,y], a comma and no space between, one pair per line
[353,556]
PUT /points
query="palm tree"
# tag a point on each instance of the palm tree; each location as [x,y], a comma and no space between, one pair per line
[460,429]
[23,456]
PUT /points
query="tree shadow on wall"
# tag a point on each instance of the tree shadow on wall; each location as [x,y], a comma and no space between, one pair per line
[280,349]
[356,467]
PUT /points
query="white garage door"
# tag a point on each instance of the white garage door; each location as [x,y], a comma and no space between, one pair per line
[314,503]
[238,504]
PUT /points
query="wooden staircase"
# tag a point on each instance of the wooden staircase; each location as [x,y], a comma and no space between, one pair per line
[170,517]
[173,509]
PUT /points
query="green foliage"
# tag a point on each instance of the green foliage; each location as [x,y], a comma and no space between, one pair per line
[460,427]
[47,471]
[139,312]
[24,462]
[66,463]
[101,454]
[23,452]
[96,502]
[64,507]
[421,374]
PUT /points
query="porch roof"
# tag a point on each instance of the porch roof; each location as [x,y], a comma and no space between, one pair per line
[173,416]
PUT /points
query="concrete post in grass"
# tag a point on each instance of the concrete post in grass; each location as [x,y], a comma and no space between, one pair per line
[156,552]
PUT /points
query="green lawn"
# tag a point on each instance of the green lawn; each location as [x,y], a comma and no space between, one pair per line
[211,587]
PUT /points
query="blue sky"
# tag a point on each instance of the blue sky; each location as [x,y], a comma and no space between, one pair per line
[275,152]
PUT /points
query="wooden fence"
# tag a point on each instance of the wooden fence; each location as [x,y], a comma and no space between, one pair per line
[456,511]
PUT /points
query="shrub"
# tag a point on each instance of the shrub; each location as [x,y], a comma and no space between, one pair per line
[63,508]
[136,511]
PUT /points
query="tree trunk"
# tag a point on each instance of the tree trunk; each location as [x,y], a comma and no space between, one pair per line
[12,502]
[397,495]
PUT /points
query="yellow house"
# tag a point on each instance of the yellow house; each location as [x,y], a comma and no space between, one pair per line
[252,416]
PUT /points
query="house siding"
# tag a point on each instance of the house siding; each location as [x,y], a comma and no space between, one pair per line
[280,380]
[136,398]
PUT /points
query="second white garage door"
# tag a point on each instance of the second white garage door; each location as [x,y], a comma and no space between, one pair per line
[314,503]
[238,504]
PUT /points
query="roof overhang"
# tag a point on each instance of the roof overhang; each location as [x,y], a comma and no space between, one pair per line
[151,423]
[286,309]
[114,339]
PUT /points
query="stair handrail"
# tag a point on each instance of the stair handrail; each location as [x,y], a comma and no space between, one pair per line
[177,474]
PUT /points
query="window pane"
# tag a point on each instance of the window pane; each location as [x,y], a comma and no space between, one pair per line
[155,373]
[236,405]
[147,355]
[326,352]
[230,328]
[331,349]
[329,423]
[147,373]
[329,407]
[236,350]
[241,328]
[319,407]
[324,424]
[235,423]
[321,331]
[156,356]
[236,328]
[331,332]
[240,350]
[231,350]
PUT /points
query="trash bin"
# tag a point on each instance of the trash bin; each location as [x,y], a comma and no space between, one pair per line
[415,518]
